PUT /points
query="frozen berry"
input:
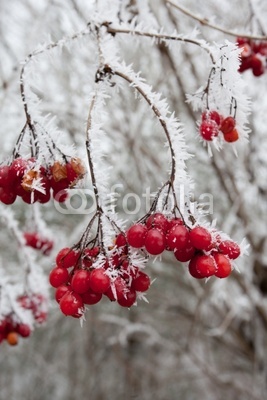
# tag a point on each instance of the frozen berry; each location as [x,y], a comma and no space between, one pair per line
[208,130]
[128,299]
[99,280]
[206,266]
[136,235]
[58,276]
[71,304]
[200,238]
[227,125]
[232,136]
[155,242]
[177,238]
[80,281]
[186,253]
[158,221]
[223,266]
[90,297]
[230,249]
[192,268]
[141,282]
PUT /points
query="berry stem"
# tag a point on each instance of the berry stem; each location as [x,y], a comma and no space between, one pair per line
[88,149]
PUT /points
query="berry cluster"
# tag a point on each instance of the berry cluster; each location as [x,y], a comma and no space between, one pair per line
[253,55]
[207,252]
[36,303]
[10,330]
[32,182]
[83,277]
[36,241]
[11,327]
[213,123]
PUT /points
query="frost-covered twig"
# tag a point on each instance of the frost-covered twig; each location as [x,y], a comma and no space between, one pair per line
[205,22]
[160,37]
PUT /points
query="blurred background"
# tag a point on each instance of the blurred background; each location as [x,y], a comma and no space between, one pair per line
[193,339]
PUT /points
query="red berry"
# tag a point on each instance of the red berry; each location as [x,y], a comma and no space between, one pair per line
[17,169]
[117,290]
[87,263]
[230,249]
[24,330]
[246,63]
[177,238]
[61,290]
[7,196]
[206,266]
[223,265]
[115,260]
[60,196]
[99,280]
[80,281]
[32,239]
[257,66]
[67,258]
[208,130]
[44,197]
[186,253]
[90,297]
[29,197]
[192,268]
[91,252]
[175,221]
[200,238]
[58,276]
[72,175]
[158,221]
[211,116]
[121,240]
[5,181]
[60,185]
[136,235]
[155,242]
[71,304]
[227,125]
[232,136]
[141,282]
[128,299]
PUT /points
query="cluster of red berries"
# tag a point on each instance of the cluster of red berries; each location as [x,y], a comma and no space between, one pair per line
[38,242]
[37,304]
[213,123]
[253,55]
[10,330]
[208,253]
[82,278]
[26,179]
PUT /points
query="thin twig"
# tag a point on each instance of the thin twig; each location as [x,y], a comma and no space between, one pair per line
[160,37]
[205,22]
